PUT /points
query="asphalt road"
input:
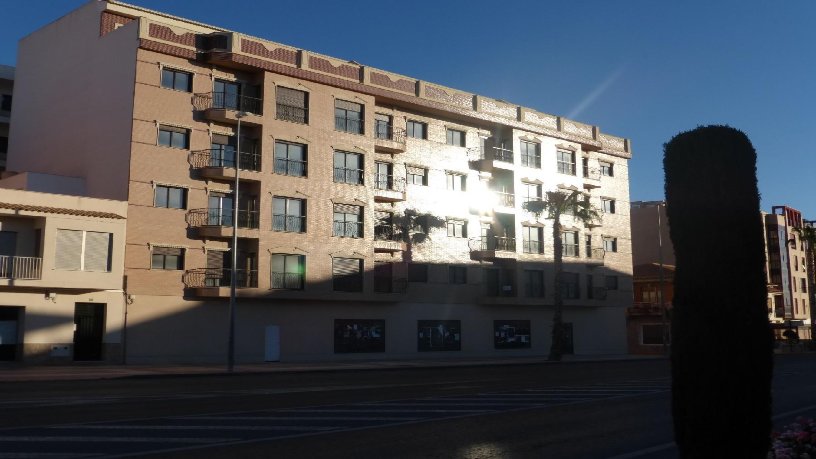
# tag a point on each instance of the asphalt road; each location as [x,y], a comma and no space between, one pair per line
[572,410]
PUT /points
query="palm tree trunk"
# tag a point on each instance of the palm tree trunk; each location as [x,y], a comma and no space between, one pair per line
[557,346]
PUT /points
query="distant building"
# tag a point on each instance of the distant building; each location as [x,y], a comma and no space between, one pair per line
[379,215]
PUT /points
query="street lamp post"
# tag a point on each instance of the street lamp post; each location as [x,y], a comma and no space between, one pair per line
[234,269]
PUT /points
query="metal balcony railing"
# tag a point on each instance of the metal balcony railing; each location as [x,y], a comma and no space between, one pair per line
[506,244]
[502,154]
[346,124]
[20,267]
[531,161]
[292,113]
[385,131]
[216,277]
[387,233]
[287,281]
[247,219]
[505,199]
[595,253]
[566,168]
[389,182]
[229,101]
[218,157]
[533,247]
[345,175]
[570,250]
[291,223]
[291,167]
[591,173]
[348,229]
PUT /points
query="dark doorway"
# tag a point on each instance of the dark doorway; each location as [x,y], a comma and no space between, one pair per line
[569,346]
[9,332]
[89,320]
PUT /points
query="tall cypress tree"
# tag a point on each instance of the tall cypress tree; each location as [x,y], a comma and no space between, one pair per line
[722,349]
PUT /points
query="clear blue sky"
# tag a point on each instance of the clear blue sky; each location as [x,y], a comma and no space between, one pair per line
[640,69]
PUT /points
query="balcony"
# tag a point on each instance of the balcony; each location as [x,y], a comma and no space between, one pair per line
[592,177]
[287,281]
[20,268]
[225,107]
[595,256]
[292,113]
[388,139]
[505,200]
[490,158]
[219,164]
[388,188]
[388,238]
[215,282]
[217,223]
[492,248]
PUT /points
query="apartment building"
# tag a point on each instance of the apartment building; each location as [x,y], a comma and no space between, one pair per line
[787,272]
[379,216]
[61,267]
[6,92]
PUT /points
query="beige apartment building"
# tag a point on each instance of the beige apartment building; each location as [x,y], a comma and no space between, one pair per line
[379,216]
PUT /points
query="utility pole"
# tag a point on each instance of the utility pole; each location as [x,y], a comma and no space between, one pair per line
[234,269]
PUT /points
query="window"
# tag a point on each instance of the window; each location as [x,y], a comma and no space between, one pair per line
[608,205]
[566,162]
[651,334]
[170,197]
[292,105]
[607,169]
[610,244]
[611,282]
[347,274]
[290,159]
[417,175]
[384,229]
[417,129]
[383,127]
[348,116]
[585,166]
[803,285]
[348,168]
[383,277]
[499,282]
[3,152]
[570,287]
[176,79]
[457,274]
[5,102]
[288,214]
[456,138]
[348,221]
[569,241]
[455,182]
[530,192]
[174,137]
[417,272]
[530,154]
[533,283]
[384,176]
[532,237]
[287,271]
[79,250]
[590,283]
[168,258]
[457,228]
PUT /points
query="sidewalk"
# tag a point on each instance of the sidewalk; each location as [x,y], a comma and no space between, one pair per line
[90,371]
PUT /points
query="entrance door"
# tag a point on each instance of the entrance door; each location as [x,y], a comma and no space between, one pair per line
[272,348]
[89,328]
[9,320]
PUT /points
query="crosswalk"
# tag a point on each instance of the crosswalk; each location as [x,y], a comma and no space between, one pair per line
[133,438]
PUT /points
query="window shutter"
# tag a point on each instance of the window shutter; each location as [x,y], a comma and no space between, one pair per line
[291,97]
[97,251]
[215,259]
[69,250]
[221,139]
[382,218]
[345,266]
[413,170]
[347,209]
[346,105]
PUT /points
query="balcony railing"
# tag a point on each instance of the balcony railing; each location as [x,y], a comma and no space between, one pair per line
[292,113]
[566,168]
[389,182]
[20,267]
[595,253]
[291,223]
[237,102]
[570,250]
[505,199]
[506,244]
[385,131]
[287,281]
[502,154]
[387,233]
[291,167]
[533,247]
[591,173]
[531,161]
[346,124]
[247,219]
[348,229]
[345,175]
[216,157]
[214,277]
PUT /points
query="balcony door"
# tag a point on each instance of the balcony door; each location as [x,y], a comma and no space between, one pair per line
[218,268]
[8,249]
[226,94]
[222,152]
[220,209]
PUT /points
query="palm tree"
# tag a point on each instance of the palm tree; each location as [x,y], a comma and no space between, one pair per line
[807,233]
[570,201]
